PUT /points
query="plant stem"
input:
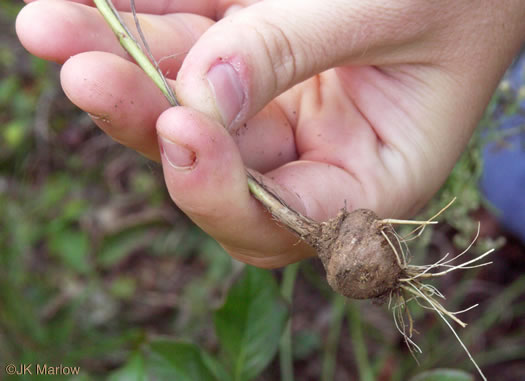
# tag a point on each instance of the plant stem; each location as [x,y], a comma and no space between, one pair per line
[299,224]
[356,335]
[276,206]
[285,348]
[127,41]
[332,342]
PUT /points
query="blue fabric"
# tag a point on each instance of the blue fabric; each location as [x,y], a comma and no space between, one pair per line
[503,180]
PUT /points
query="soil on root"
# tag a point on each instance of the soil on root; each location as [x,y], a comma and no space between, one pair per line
[360,262]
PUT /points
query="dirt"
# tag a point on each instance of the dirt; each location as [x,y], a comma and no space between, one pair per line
[359,261]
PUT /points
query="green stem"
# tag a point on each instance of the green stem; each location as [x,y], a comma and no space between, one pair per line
[356,335]
[279,209]
[127,41]
[285,348]
[332,342]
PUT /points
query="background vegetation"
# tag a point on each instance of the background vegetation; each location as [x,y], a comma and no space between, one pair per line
[98,269]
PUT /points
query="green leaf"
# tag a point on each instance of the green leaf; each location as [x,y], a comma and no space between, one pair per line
[115,248]
[250,323]
[14,133]
[171,360]
[219,263]
[74,209]
[133,370]
[54,192]
[72,247]
[123,287]
[443,375]
[215,367]
[8,86]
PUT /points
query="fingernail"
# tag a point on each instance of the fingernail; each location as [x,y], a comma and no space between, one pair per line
[227,89]
[177,156]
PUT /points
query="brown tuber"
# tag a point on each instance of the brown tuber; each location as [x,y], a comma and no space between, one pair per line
[356,248]
[358,260]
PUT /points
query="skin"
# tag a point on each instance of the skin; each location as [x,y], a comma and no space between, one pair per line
[368,103]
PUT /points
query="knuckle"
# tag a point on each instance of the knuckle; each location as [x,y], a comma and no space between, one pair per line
[282,54]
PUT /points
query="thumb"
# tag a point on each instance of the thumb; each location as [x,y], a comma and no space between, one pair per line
[205,177]
[253,55]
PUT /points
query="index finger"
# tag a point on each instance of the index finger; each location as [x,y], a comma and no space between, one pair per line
[56,30]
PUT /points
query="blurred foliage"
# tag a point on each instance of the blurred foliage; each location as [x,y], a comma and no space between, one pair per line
[443,375]
[251,317]
[98,269]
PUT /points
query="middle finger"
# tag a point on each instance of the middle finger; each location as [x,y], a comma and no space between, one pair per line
[57,30]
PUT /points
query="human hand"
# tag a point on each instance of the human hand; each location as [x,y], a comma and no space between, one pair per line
[381,131]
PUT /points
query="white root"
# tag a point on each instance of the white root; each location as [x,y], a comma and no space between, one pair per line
[432,303]
[456,267]
[397,314]
[422,227]
[400,260]
[394,221]
[425,294]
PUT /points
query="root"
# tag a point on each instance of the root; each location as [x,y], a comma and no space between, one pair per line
[416,233]
[401,259]
[302,226]
[398,312]
[411,288]
[407,222]
[440,311]
[426,270]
